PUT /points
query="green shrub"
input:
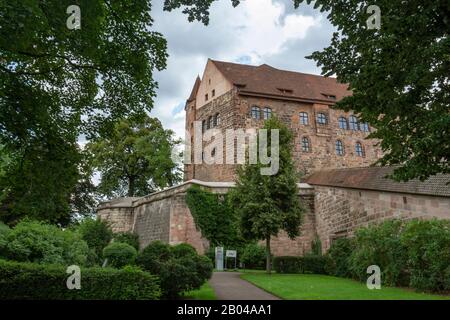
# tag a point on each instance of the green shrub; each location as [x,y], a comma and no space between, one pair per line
[307,264]
[428,248]
[32,241]
[339,257]
[48,282]
[97,234]
[180,268]
[4,231]
[254,257]
[119,254]
[288,264]
[314,264]
[127,237]
[380,245]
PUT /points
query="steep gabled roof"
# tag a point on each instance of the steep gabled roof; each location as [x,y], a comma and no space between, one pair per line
[374,178]
[194,89]
[267,80]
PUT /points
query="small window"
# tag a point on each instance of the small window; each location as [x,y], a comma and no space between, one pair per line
[364,126]
[353,123]
[343,123]
[203,126]
[267,113]
[256,113]
[209,81]
[210,122]
[304,119]
[217,120]
[213,93]
[206,97]
[339,148]
[213,152]
[359,150]
[306,145]
[192,125]
[322,118]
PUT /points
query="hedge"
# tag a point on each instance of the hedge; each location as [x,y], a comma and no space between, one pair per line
[307,264]
[119,254]
[27,281]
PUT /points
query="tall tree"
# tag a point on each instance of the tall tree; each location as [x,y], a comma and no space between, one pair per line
[399,74]
[268,204]
[135,159]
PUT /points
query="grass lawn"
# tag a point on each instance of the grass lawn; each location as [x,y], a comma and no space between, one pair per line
[321,287]
[206,292]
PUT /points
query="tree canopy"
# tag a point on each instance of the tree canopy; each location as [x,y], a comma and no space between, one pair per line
[135,159]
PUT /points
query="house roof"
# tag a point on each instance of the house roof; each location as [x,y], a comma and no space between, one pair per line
[267,80]
[194,89]
[374,178]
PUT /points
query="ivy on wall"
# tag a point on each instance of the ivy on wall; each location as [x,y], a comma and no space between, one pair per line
[214,217]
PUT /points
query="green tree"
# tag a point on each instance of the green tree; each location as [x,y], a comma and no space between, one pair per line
[135,159]
[399,75]
[268,204]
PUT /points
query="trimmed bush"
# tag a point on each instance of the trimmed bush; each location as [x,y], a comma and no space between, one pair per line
[127,237]
[32,241]
[48,282]
[119,254]
[339,257]
[4,231]
[180,268]
[97,234]
[427,244]
[380,245]
[307,264]
[254,257]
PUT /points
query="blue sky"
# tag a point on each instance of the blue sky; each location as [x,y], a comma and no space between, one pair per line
[255,32]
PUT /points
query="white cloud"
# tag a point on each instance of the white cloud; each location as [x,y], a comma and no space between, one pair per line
[255,32]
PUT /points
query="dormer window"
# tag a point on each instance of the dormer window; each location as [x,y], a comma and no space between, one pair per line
[286,91]
[329,96]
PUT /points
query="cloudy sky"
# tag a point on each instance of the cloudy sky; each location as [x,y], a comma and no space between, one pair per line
[255,32]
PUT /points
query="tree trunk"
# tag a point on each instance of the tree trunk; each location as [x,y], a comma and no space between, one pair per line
[130,186]
[268,256]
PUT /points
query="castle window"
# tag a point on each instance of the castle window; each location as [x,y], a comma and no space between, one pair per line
[267,113]
[359,150]
[213,93]
[203,126]
[343,123]
[213,152]
[364,126]
[353,123]
[256,113]
[217,120]
[339,148]
[304,119]
[210,122]
[306,145]
[322,118]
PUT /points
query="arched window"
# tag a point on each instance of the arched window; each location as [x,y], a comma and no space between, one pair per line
[306,145]
[256,113]
[322,118]
[343,123]
[217,120]
[339,148]
[359,150]
[267,112]
[210,122]
[364,126]
[203,126]
[304,119]
[353,123]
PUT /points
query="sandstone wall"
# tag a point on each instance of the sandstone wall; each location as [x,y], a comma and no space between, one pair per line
[340,211]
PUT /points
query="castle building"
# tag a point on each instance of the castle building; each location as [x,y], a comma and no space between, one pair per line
[236,96]
[338,188]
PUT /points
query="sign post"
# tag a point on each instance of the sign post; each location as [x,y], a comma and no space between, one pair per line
[232,254]
[219,258]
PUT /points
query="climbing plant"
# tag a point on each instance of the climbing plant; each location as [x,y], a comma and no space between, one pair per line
[214,217]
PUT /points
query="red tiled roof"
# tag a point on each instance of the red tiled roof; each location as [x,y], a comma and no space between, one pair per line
[374,178]
[267,80]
